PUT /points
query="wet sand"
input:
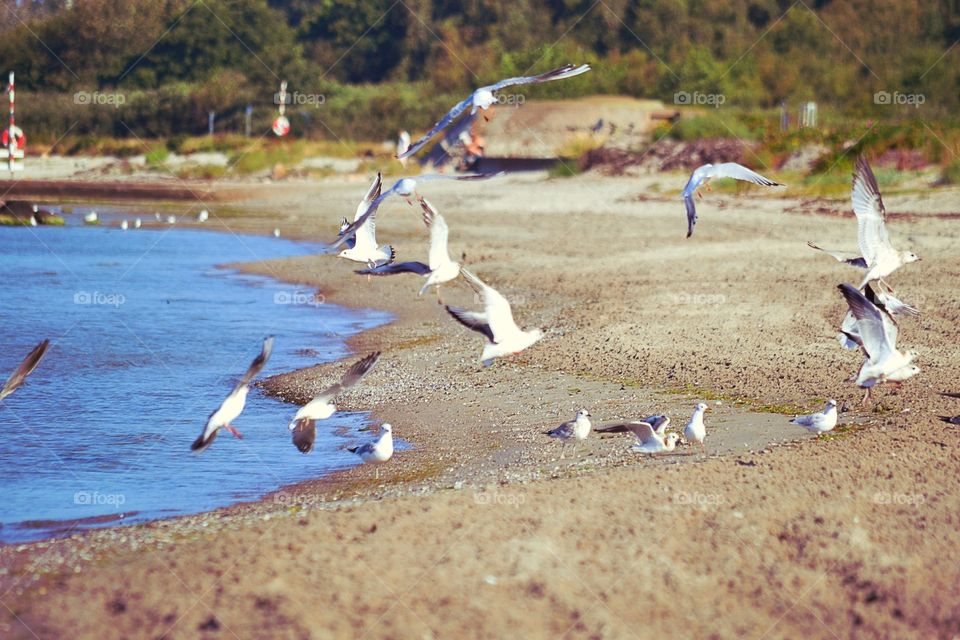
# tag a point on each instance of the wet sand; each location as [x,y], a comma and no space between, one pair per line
[481,531]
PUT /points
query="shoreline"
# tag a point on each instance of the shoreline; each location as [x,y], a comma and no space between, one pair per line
[777,519]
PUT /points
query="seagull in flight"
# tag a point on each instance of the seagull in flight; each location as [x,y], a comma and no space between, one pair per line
[378,451]
[441,268]
[406,188]
[484,98]
[877,255]
[25,368]
[233,405]
[820,422]
[495,322]
[577,429]
[884,363]
[849,336]
[304,423]
[365,248]
[702,176]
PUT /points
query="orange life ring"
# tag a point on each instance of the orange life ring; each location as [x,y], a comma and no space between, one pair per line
[18,135]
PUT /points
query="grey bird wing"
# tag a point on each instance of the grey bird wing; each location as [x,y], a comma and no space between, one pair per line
[353,375]
[439,232]
[24,369]
[871,214]
[740,172]
[691,213]
[870,325]
[566,71]
[304,434]
[497,312]
[842,256]
[563,431]
[441,124]
[257,365]
[351,231]
[948,394]
[396,267]
[473,320]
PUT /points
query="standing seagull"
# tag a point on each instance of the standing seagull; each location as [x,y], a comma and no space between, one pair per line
[304,423]
[232,407]
[877,255]
[365,248]
[495,322]
[577,429]
[820,422]
[703,175]
[376,452]
[884,363]
[441,268]
[406,188]
[484,98]
[651,442]
[25,368]
[696,430]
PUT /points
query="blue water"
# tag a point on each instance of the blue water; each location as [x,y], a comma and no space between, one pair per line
[148,336]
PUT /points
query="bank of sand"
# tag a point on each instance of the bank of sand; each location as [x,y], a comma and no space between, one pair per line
[480,531]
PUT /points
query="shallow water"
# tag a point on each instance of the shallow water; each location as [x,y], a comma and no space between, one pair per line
[148,336]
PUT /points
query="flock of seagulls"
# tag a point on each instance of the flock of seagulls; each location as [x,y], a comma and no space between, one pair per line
[869,325]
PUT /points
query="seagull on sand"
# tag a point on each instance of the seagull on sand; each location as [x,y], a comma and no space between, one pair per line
[304,423]
[820,422]
[233,405]
[365,248]
[658,422]
[406,188]
[651,442]
[877,255]
[696,430]
[702,176]
[24,369]
[495,322]
[484,98]
[441,268]
[884,363]
[376,452]
[577,429]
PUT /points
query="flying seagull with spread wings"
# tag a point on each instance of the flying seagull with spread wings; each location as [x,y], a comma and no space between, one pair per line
[884,363]
[365,248]
[702,177]
[877,255]
[304,423]
[849,336]
[485,97]
[406,188]
[24,369]
[441,268]
[233,405]
[495,322]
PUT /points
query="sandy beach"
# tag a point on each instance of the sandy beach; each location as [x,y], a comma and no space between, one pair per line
[480,530]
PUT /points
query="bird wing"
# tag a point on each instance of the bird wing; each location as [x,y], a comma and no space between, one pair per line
[842,256]
[473,320]
[615,427]
[949,394]
[304,434]
[496,308]
[441,124]
[643,430]
[353,375]
[691,213]
[870,324]
[871,215]
[354,228]
[439,254]
[566,71]
[740,172]
[372,194]
[464,176]
[563,431]
[396,267]
[25,368]
[257,365]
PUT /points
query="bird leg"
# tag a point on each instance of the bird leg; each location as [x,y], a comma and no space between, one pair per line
[376,473]
[562,447]
[439,299]
[866,397]
[232,429]
[885,285]
[488,113]
[703,449]
[706,183]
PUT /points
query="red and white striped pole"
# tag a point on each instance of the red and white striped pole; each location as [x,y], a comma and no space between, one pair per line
[11,139]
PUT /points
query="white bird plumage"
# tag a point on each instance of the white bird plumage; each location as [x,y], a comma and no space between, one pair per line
[379,451]
[365,248]
[696,430]
[650,441]
[702,176]
[820,422]
[577,429]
